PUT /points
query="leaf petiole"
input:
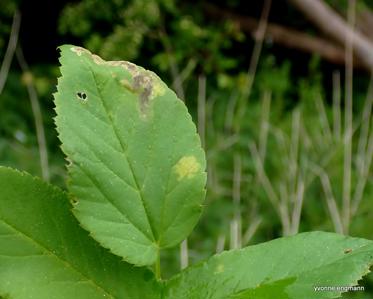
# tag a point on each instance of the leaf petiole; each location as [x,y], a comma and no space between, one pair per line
[157,266]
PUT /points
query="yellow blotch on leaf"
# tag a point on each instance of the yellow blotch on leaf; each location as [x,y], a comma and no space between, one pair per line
[187,167]
[219,269]
[158,88]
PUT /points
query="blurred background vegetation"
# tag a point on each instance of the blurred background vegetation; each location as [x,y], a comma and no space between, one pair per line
[280,91]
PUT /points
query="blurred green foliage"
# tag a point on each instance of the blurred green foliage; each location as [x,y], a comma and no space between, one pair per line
[155,29]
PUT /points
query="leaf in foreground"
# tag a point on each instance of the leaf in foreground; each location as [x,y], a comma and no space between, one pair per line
[45,254]
[137,167]
[286,268]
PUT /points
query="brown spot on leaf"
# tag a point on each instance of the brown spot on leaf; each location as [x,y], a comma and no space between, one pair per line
[144,86]
[97,59]
[79,50]
[144,83]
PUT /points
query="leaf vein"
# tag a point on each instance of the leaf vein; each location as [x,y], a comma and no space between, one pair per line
[123,149]
[111,201]
[69,265]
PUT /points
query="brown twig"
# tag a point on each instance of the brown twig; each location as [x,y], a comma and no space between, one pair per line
[285,36]
[333,25]
[364,22]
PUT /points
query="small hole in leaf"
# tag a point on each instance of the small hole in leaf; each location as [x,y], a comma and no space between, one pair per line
[82,96]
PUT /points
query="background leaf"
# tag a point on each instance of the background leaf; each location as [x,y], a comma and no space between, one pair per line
[45,254]
[286,268]
[137,167]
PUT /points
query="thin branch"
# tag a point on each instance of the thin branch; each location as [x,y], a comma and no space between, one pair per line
[348,119]
[10,50]
[330,199]
[236,223]
[323,119]
[222,145]
[240,100]
[337,105]
[297,210]
[234,237]
[184,254]
[237,174]
[220,244]
[284,209]
[358,194]
[286,36]
[293,154]
[174,69]
[264,125]
[296,180]
[263,177]
[202,109]
[36,111]
[364,130]
[364,22]
[188,70]
[210,108]
[230,111]
[332,24]
[251,230]
[268,188]
[259,38]
[365,150]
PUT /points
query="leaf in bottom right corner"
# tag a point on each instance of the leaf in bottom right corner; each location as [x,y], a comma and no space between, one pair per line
[312,265]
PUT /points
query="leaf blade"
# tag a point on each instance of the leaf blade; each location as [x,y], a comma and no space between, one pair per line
[45,254]
[290,266]
[134,151]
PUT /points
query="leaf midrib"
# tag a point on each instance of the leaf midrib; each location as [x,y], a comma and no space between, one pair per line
[123,151]
[110,201]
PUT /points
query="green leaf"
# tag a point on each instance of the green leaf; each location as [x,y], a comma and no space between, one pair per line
[286,268]
[45,254]
[266,290]
[137,166]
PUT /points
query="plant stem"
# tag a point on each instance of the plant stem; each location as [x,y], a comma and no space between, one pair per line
[346,197]
[175,72]
[11,48]
[337,105]
[158,267]
[36,111]
[251,73]
[184,254]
